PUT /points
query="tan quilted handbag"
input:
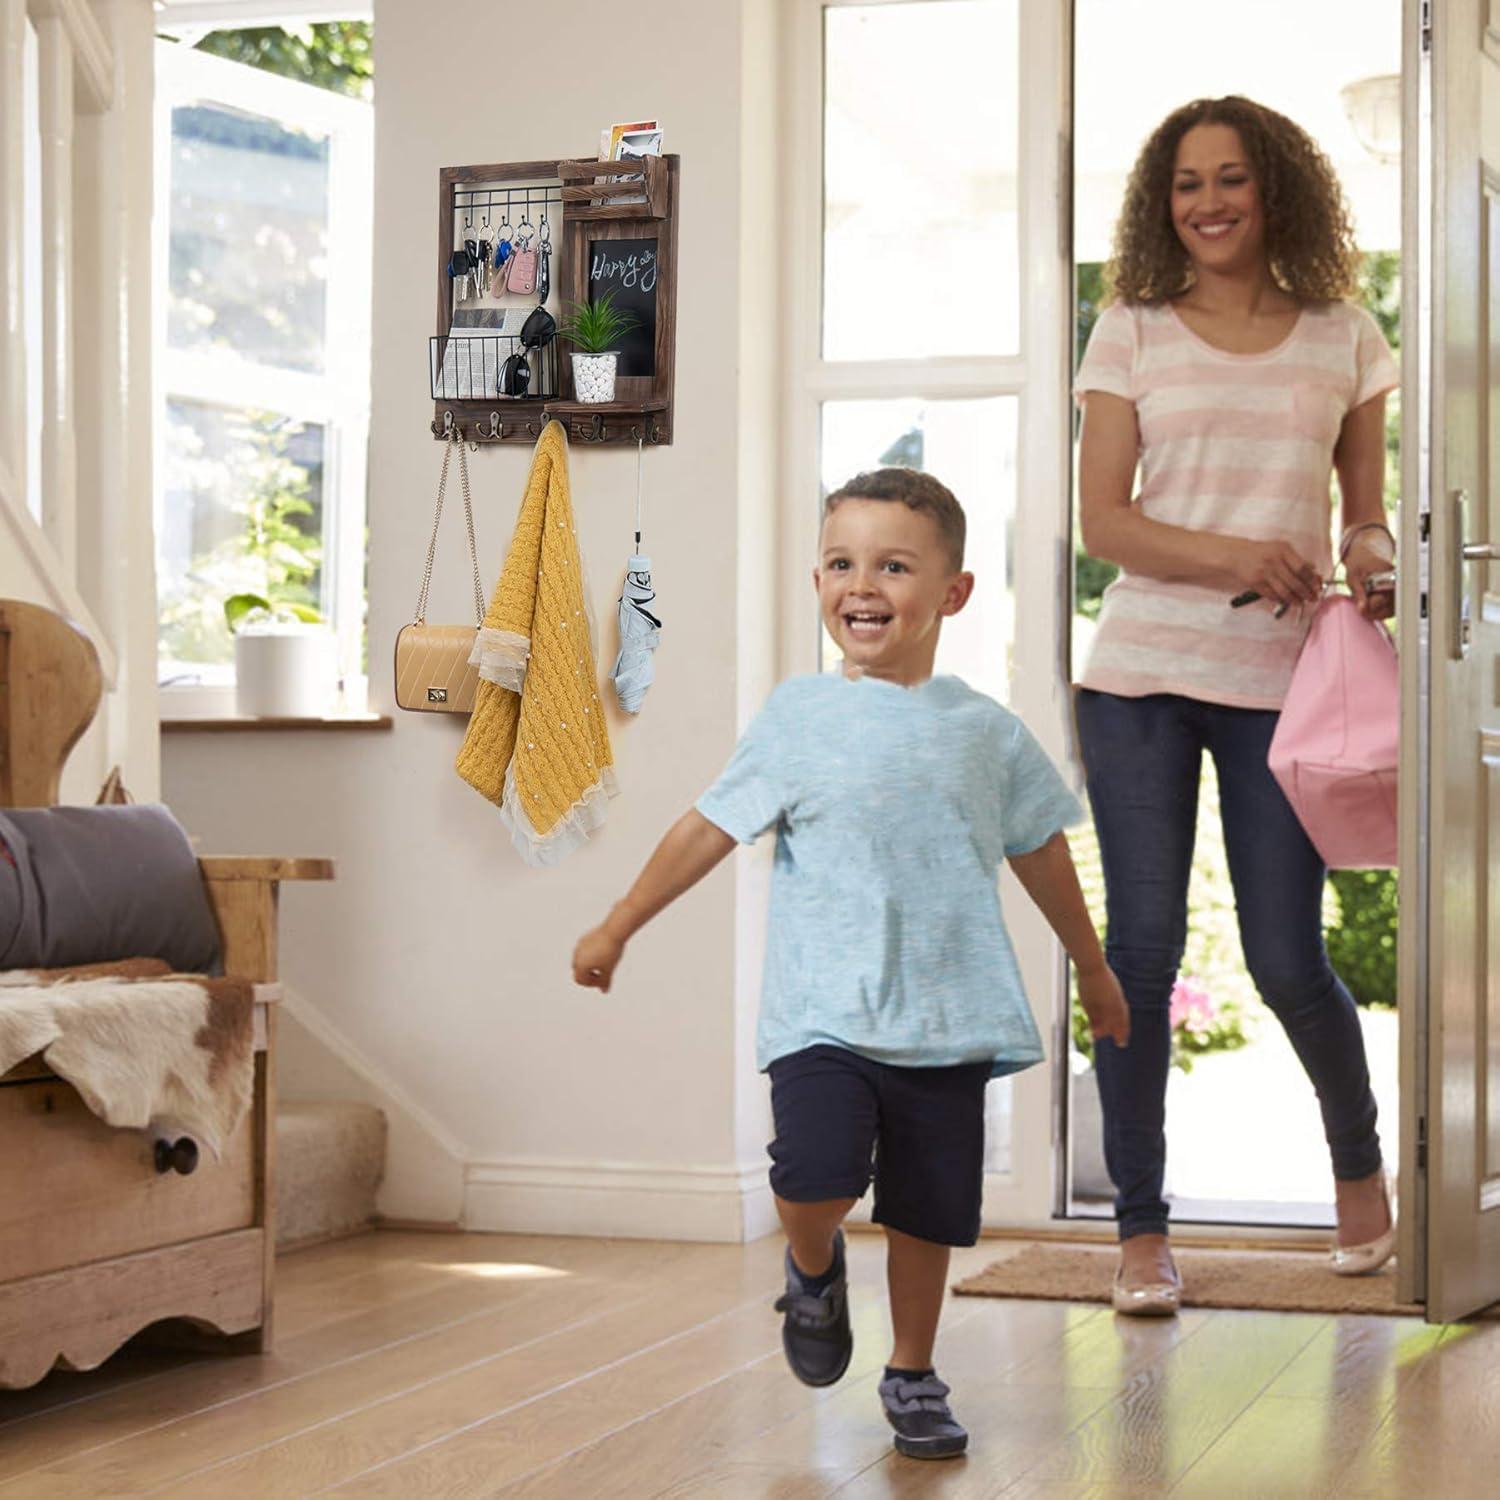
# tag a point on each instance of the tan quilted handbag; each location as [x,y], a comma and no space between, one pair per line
[433,674]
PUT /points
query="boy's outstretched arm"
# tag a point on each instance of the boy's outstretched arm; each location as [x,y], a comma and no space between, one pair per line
[1052,882]
[691,848]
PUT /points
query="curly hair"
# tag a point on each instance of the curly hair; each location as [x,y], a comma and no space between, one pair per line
[916,491]
[1309,237]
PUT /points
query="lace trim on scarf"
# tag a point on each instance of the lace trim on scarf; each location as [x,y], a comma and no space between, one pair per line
[501,656]
[570,832]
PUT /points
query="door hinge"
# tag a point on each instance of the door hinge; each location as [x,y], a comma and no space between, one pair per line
[1421,1143]
[1426,26]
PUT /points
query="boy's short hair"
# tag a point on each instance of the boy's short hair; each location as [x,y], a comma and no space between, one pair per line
[916,491]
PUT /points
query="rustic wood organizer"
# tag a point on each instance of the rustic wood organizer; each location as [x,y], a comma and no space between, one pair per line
[619,228]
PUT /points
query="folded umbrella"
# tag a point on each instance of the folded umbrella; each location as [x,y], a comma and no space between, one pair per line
[640,630]
[640,634]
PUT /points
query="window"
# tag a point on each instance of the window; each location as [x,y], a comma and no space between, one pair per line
[263,268]
[928,327]
[919,180]
[919,296]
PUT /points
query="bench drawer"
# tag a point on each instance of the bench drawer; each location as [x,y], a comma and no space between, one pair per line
[75,1190]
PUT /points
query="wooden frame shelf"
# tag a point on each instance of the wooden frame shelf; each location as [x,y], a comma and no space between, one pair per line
[612,190]
[618,232]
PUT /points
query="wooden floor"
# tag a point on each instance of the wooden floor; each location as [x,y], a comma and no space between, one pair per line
[417,1366]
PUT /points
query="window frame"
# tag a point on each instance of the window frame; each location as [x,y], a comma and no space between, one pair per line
[338,399]
[1038,375]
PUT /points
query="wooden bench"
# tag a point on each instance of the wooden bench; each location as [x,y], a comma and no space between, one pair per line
[96,1244]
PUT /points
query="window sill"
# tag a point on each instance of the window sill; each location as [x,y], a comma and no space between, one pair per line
[233,723]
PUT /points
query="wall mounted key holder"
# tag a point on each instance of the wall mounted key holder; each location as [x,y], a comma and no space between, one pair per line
[575,233]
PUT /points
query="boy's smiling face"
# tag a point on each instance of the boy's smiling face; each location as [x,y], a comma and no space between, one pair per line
[885,580]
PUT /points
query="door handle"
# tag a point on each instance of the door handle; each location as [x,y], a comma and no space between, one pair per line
[1463,551]
[1481,552]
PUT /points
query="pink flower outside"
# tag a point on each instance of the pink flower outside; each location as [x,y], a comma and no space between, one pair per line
[1192,1009]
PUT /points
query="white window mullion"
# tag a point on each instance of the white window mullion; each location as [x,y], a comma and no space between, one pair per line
[1040,691]
[59,455]
[932,380]
[12,253]
[1024,430]
[221,376]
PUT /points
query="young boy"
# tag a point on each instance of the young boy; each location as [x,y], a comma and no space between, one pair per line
[891,993]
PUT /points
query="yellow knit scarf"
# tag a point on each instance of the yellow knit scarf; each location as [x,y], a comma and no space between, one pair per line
[537,745]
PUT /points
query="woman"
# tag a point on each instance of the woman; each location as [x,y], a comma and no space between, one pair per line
[1230,368]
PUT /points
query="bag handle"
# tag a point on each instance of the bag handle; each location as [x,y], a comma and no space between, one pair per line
[463,471]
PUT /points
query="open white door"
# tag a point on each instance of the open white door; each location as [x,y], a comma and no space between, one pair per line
[1451,1251]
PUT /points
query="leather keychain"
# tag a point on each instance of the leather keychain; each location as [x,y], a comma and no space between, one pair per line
[520,274]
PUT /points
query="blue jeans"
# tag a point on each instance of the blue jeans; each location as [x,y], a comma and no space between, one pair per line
[1143,758]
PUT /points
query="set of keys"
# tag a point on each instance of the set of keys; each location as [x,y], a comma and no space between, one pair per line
[483,266]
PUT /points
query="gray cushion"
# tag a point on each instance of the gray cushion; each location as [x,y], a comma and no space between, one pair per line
[90,884]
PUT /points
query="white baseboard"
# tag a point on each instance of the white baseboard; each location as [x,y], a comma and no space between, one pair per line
[715,1204]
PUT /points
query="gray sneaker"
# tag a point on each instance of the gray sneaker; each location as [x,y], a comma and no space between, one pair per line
[919,1411]
[815,1329]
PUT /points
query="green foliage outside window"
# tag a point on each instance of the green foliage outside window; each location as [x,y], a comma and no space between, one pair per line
[269,553]
[333,55]
[1362,943]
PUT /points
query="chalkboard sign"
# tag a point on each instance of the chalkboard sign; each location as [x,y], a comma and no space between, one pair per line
[628,268]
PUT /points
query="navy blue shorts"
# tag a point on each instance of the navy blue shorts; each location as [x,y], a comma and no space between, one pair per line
[841,1119]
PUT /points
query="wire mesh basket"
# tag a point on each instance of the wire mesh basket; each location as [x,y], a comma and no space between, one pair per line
[479,368]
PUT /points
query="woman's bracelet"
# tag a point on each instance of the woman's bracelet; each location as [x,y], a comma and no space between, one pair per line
[1350,532]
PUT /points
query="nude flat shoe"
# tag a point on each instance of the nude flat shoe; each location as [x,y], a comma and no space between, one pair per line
[1362,1260]
[1146,1299]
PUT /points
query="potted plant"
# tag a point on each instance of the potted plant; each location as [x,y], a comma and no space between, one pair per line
[285,663]
[595,330]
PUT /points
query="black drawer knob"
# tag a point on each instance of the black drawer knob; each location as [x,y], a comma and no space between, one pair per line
[179,1156]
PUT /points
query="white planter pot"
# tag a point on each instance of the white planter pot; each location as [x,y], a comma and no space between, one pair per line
[285,671]
[594,376]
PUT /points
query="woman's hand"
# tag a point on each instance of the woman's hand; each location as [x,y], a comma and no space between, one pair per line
[1369,553]
[1274,570]
[595,957]
[1103,1003]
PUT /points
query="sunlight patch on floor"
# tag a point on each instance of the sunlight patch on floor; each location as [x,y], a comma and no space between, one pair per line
[498,1270]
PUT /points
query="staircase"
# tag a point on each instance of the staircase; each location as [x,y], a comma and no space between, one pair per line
[330,1157]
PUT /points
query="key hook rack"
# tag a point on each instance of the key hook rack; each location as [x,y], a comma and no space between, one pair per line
[607,227]
[584,426]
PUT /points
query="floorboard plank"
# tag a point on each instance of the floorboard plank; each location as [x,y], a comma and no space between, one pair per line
[529,1368]
[1165,1416]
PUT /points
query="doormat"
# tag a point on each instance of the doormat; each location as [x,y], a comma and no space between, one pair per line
[1281,1281]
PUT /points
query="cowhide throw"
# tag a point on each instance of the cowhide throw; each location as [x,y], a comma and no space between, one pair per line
[140,1044]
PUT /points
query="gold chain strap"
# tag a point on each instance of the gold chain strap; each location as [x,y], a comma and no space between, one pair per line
[463,474]
[463,471]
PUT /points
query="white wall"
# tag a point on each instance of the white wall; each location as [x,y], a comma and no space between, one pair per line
[439,957]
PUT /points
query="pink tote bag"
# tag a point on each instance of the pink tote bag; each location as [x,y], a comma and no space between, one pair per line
[1334,750]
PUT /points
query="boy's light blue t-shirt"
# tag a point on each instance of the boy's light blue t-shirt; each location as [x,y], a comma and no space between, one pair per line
[893,809]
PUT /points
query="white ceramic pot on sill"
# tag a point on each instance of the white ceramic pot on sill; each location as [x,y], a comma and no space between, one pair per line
[285,669]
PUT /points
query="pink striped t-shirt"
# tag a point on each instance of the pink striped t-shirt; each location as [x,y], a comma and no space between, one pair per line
[1236,444]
